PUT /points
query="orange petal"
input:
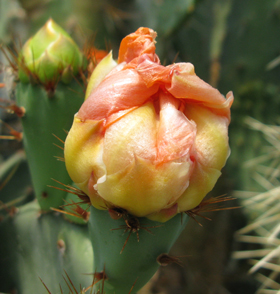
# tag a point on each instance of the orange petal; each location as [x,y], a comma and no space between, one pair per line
[152,72]
[120,91]
[186,84]
[176,133]
[136,44]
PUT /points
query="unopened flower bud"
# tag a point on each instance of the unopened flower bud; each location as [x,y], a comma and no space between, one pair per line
[49,55]
[150,139]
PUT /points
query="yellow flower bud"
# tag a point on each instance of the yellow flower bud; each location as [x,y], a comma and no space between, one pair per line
[149,139]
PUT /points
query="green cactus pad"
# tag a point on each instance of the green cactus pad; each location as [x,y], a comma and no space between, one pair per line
[44,118]
[138,261]
[43,246]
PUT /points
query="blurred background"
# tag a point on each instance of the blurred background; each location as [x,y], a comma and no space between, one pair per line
[235,46]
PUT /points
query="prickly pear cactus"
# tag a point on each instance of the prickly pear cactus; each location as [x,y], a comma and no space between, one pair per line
[128,246]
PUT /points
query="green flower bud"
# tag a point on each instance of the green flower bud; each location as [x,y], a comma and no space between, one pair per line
[50,55]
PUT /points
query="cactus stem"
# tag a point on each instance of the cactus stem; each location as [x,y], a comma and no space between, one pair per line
[209,205]
[132,225]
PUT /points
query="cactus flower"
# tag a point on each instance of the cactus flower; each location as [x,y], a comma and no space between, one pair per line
[150,139]
[50,54]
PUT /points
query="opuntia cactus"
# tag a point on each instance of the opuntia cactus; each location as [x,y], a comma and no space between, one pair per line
[141,194]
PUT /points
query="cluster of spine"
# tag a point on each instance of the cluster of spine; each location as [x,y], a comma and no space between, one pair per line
[263,209]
